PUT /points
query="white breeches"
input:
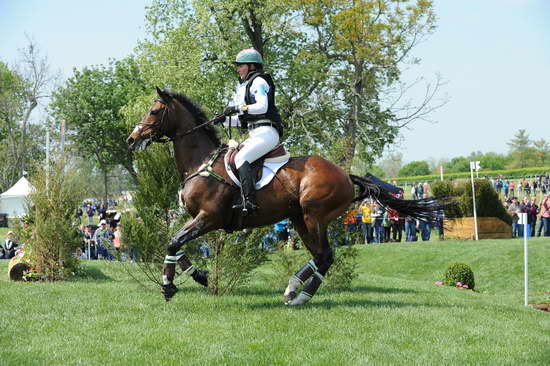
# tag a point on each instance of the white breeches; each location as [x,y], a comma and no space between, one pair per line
[260,141]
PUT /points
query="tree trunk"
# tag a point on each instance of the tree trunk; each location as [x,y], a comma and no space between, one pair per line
[356,109]
[24,135]
[105,171]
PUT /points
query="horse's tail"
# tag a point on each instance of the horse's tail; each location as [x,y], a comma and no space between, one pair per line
[423,209]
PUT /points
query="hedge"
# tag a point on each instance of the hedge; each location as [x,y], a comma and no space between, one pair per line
[509,173]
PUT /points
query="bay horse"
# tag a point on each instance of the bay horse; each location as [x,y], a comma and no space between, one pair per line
[310,191]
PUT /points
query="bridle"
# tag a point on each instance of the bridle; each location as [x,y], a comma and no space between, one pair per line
[158,126]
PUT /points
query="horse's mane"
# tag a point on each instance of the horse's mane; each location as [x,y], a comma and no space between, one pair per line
[199,115]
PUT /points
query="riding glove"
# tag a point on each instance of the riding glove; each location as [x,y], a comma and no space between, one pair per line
[218,119]
[231,110]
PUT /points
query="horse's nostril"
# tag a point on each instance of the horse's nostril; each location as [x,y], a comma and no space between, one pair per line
[130,140]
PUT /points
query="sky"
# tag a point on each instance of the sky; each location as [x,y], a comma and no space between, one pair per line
[494,56]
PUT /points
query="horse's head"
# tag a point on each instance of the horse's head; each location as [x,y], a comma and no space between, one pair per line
[155,123]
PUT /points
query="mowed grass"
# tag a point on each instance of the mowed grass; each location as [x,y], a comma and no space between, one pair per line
[392,315]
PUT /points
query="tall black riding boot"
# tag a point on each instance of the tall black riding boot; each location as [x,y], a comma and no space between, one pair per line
[248,191]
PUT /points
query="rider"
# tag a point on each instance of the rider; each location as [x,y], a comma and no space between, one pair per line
[253,108]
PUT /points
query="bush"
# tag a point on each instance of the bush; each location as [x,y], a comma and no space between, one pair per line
[508,174]
[344,269]
[51,234]
[459,272]
[340,275]
[488,203]
[234,258]
[148,232]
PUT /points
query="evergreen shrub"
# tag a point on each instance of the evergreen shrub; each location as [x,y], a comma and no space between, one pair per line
[50,233]
[488,203]
[459,272]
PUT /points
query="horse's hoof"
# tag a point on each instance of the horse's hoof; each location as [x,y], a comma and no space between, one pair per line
[201,277]
[168,291]
[300,299]
[288,298]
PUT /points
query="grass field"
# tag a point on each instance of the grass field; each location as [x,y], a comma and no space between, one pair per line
[393,315]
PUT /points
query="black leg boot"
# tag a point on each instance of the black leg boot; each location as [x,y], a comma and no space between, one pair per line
[248,191]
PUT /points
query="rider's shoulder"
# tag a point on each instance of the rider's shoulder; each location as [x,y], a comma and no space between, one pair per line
[260,80]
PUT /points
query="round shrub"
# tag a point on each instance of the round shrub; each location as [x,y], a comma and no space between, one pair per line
[459,272]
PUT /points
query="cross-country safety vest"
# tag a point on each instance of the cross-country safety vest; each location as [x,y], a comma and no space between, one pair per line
[272,113]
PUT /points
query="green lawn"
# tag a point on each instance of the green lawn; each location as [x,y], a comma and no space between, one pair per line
[3,232]
[393,315]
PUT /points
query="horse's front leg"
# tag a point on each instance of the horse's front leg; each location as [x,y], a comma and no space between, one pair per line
[190,231]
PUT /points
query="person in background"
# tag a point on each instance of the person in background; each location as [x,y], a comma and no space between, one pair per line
[378,218]
[102,212]
[513,211]
[386,223]
[366,221]
[79,214]
[527,188]
[410,228]
[395,225]
[419,191]
[545,215]
[80,254]
[117,243]
[9,246]
[102,239]
[281,229]
[534,212]
[425,190]
[350,223]
[90,211]
[506,187]
[512,186]
[425,230]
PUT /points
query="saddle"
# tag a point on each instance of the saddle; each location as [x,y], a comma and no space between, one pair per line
[277,155]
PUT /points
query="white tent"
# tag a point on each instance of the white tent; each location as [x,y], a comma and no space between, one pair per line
[13,201]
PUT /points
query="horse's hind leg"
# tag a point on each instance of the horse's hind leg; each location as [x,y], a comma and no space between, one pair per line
[311,275]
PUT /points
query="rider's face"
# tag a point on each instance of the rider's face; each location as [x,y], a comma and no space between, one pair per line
[242,69]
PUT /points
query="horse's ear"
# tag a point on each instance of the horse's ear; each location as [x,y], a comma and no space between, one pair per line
[165,97]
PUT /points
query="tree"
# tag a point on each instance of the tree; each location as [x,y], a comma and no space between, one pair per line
[22,88]
[520,142]
[493,161]
[458,165]
[91,102]
[392,164]
[542,151]
[415,168]
[365,43]
[335,64]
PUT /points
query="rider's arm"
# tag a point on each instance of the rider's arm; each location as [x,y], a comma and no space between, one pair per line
[259,90]
[233,121]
